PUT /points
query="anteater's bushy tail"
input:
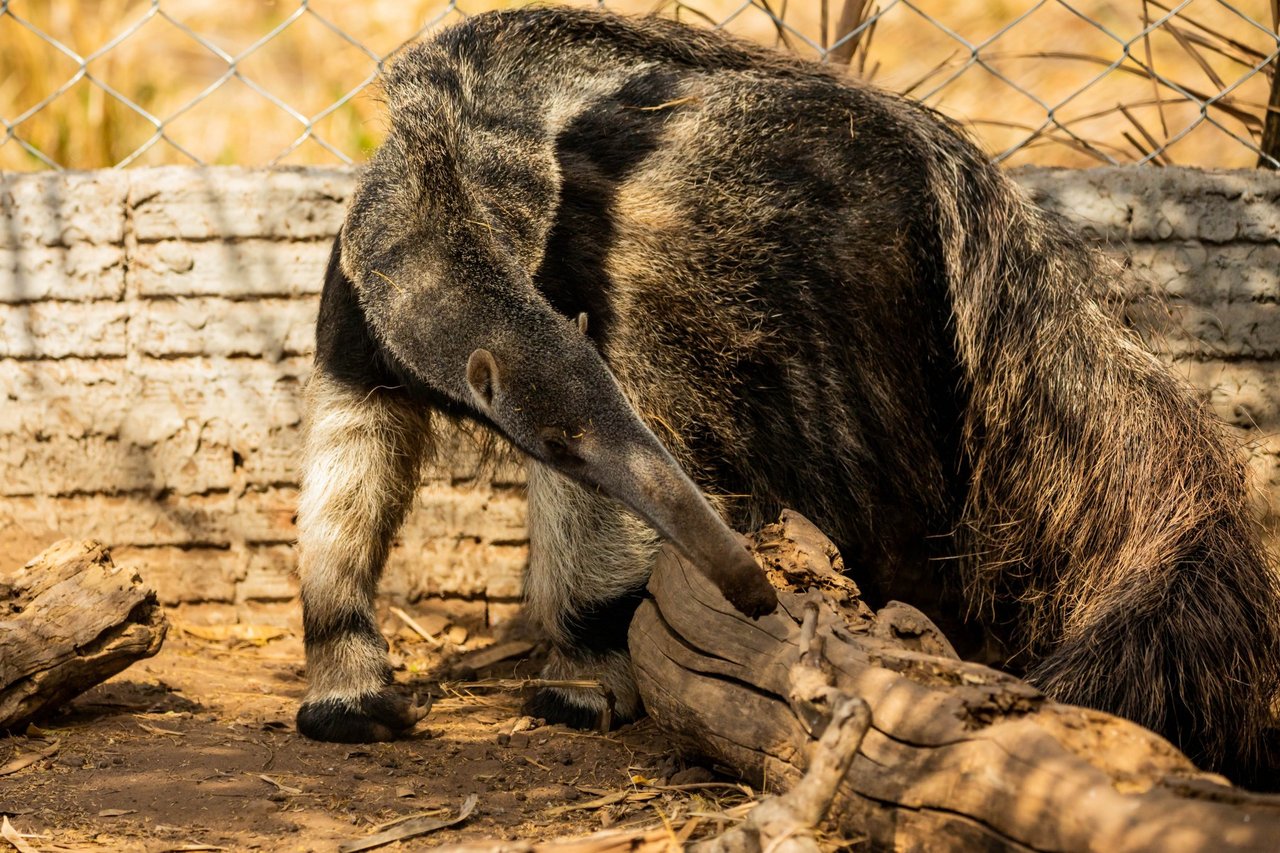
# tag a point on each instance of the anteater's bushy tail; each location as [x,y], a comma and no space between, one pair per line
[1106,501]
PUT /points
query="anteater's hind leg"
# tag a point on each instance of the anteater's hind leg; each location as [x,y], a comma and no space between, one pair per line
[589,562]
[362,455]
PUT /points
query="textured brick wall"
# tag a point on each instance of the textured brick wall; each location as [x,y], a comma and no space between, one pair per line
[155,329]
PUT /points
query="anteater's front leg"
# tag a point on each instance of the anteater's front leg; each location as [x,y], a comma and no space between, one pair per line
[589,561]
[362,451]
[361,462]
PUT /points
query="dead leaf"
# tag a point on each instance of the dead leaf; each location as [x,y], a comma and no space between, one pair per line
[258,634]
[409,829]
[456,634]
[407,817]
[21,761]
[687,832]
[157,730]
[601,802]
[116,812]
[434,621]
[402,791]
[524,724]
[15,838]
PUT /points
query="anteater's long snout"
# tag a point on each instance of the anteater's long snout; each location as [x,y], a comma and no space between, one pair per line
[640,473]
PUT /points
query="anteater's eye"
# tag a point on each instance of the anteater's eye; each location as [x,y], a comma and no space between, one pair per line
[556,442]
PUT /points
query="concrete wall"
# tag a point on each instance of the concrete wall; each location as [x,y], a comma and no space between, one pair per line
[156,325]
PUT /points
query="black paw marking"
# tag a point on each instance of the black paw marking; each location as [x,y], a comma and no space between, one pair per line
[382,716]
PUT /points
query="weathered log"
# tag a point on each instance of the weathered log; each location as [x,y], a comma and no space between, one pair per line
[71,619]
[958,756]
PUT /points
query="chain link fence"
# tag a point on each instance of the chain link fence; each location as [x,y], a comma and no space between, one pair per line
[254,82]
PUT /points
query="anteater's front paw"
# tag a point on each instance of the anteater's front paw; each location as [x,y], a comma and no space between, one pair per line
[575,708]
[364,719]
[614,702]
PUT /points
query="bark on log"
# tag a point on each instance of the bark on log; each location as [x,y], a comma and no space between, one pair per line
[958,756]
[71,619]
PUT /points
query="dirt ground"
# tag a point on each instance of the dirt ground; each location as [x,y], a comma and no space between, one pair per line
[196,749]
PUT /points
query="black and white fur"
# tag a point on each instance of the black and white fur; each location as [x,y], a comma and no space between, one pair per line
[639,251]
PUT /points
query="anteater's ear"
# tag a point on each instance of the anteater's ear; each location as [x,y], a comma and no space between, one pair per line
[482,376]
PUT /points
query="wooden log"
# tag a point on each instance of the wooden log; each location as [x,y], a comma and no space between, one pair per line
[71,619]
[958,756]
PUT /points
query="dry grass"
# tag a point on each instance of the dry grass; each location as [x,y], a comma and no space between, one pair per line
[1058,58]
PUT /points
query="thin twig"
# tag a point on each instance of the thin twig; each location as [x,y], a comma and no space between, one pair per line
[1191,51]
[1161,157]
[416,628]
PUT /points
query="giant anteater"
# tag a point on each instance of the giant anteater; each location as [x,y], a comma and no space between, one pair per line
[649,256]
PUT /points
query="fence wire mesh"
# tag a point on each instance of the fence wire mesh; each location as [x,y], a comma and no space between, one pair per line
[132,82]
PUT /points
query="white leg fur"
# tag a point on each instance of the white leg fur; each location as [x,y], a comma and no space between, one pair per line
[362,454]
[583,548]
[585,551]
